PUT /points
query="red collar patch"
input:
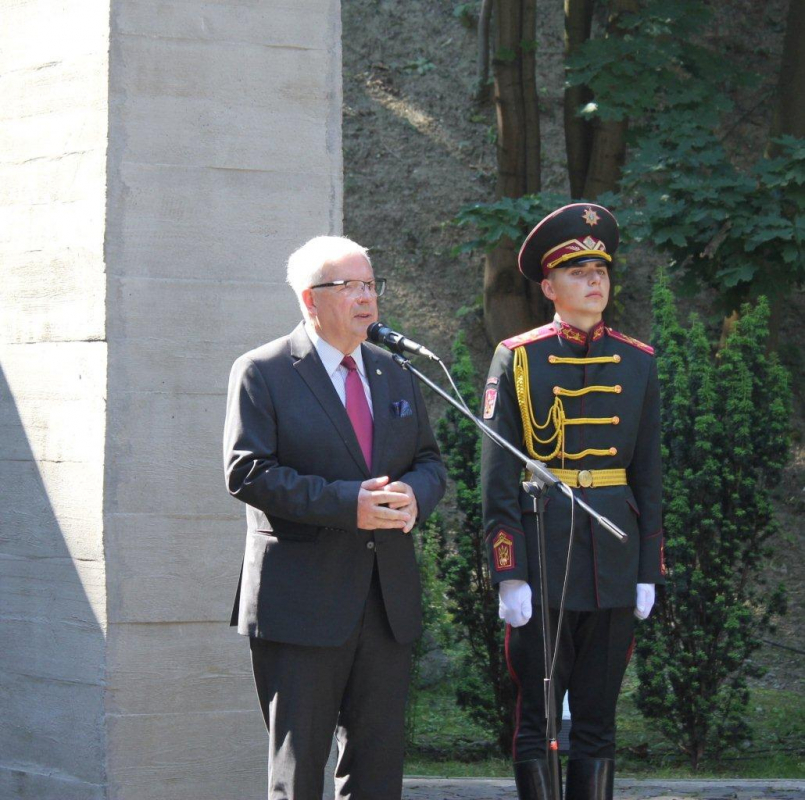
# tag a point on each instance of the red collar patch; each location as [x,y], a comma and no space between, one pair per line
[576,335]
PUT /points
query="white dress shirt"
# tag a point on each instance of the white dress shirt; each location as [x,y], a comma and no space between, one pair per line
[332,358]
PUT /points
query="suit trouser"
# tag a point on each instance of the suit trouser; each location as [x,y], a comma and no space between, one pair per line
[358,689]
[594,651]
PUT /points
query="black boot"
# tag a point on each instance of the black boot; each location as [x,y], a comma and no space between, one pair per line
[590,779]
[532,780]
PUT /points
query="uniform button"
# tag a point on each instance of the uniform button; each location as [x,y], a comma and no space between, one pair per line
[370,545]
[616,358]
[557,389]
[618,389]
[616,420]
[613,451]
[552,359]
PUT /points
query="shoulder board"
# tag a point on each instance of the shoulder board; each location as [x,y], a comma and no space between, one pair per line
[622,337]
[530,336]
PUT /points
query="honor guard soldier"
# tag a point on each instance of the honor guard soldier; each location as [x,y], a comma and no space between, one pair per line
[584,400]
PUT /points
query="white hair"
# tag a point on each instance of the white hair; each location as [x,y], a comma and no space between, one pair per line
[306,264]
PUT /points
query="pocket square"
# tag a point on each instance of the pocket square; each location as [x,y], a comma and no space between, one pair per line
[401,408]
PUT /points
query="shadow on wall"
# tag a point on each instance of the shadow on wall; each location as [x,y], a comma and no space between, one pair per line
[52,652]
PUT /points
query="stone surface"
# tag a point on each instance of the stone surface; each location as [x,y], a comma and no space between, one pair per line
[158,163]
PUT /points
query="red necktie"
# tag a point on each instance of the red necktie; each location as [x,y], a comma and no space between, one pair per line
[358,409]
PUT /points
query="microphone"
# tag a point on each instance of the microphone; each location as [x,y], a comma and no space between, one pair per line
[380,334]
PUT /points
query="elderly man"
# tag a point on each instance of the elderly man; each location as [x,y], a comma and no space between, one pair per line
[328,443]
[584,399]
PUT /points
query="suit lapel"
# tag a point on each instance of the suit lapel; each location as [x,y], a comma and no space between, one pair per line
[307,363]
[379,385]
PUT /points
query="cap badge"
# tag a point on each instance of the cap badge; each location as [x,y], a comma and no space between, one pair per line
[590,217]
[590,243]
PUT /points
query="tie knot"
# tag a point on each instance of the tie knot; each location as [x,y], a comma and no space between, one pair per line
[349,363]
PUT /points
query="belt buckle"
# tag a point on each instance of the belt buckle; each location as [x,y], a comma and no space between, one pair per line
[585,478]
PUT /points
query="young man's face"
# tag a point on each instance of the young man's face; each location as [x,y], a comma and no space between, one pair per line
[580,289]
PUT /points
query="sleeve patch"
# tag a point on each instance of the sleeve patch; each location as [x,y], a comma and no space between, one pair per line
[492,380]
[503,550]
[490,400]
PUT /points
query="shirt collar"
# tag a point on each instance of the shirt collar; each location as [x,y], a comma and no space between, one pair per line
[331,356]
[576,335]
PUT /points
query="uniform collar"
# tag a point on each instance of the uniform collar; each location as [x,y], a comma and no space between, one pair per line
[577,336]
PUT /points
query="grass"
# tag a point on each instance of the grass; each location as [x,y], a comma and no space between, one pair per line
[446,742]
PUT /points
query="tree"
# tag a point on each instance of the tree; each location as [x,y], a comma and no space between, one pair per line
[508,306]
[789,115]
[725,441]
[578,131]
[596,144]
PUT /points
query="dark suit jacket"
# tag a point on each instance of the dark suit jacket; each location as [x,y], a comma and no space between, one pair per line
[291,454]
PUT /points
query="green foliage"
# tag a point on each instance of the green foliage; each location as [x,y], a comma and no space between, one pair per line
[738,230]
[483,686]
[435,619]
[656,67]
[725,439]
[510,218]
[420,66]
[467,14]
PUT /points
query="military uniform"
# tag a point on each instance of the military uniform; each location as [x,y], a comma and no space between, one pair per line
[586,404]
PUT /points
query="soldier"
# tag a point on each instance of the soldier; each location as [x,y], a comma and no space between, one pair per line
[584,400]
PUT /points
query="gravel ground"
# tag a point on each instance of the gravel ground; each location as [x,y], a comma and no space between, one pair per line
[625,789]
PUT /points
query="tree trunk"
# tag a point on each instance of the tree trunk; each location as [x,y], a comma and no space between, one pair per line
[609,137]
[578,132]
[606,158]
[484,18]
[789,115]
[506,301]
[506,295]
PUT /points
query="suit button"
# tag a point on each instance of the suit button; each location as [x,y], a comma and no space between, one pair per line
[370,545]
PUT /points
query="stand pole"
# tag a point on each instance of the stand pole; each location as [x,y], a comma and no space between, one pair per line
[551,742]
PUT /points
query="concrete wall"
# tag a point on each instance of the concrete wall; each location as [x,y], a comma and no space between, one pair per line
[204,140]
[53,143]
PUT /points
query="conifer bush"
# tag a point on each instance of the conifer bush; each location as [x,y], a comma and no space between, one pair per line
[483,686]
[725,441]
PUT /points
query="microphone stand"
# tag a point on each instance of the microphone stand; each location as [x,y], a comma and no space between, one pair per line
[541,479]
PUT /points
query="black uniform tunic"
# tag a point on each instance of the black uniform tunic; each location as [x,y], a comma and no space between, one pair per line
[622,406]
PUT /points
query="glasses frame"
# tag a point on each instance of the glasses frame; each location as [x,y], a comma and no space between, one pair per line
[377,286]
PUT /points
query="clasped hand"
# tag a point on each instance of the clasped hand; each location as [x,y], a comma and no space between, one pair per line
[386,505]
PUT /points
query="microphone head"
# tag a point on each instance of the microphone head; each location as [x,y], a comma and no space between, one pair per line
[376,331]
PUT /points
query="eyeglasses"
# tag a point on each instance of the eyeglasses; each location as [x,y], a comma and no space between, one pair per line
[355,288]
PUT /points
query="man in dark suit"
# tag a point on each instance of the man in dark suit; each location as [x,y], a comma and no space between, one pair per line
[584,399]
[328,443]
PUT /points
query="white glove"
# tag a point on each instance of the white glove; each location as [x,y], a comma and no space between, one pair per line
[645,600]
[515,602]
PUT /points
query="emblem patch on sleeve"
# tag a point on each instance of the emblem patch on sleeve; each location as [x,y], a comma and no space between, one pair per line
[503,548]
[490,399]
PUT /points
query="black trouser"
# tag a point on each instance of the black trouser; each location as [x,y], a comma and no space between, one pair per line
[594,650]
[358,689]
